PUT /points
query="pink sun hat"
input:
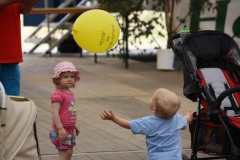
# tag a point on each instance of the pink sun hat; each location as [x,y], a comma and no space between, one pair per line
[64,67]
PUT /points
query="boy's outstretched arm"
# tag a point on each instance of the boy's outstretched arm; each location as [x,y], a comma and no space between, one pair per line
[120,121]
[189,116]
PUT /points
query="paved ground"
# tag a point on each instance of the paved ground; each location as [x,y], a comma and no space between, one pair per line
[105,85]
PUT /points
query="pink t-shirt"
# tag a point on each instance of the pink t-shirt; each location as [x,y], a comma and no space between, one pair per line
[67,112]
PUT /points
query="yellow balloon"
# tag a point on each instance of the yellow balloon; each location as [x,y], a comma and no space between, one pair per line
[96,31]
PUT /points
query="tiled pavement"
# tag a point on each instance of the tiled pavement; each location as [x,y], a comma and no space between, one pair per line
[105,85]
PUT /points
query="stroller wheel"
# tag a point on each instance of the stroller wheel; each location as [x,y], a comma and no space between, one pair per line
[184,157]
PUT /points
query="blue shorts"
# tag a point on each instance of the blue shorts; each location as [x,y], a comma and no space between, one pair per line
[10,78]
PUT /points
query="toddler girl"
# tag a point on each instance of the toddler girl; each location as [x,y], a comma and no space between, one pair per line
[64,113]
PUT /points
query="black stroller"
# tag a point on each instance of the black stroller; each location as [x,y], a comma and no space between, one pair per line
[211,70]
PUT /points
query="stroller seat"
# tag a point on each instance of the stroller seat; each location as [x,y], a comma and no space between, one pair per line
[215,79]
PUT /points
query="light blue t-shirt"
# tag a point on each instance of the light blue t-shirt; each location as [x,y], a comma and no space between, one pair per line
[163,136]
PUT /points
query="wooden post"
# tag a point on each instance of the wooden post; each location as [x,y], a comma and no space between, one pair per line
[95,57]
[126,40]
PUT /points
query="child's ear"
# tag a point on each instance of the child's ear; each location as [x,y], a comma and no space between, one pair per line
[154,110]
[58,80]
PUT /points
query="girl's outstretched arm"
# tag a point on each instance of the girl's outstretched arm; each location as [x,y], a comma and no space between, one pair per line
[120,121]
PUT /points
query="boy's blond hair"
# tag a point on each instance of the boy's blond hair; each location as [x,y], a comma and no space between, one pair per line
[167,103]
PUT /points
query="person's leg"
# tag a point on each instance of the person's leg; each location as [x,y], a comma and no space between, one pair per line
[65,154]
[65,148]
[10,78]
[70,152]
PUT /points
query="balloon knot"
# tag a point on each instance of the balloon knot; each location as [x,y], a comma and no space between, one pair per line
[74,30]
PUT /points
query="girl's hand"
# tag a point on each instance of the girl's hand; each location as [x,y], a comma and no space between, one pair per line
[107,115]
[77,130]
[62,134]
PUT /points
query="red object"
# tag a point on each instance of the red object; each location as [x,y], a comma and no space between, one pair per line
[10,34]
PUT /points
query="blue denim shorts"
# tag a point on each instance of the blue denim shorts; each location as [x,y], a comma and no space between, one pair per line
[10,78]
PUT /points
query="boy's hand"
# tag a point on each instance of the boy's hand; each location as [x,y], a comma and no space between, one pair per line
[189,116]
[107,115]
[120,121]
[77,130]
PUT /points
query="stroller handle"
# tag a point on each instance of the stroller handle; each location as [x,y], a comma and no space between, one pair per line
[3,96]
[224,94]
[172,38]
